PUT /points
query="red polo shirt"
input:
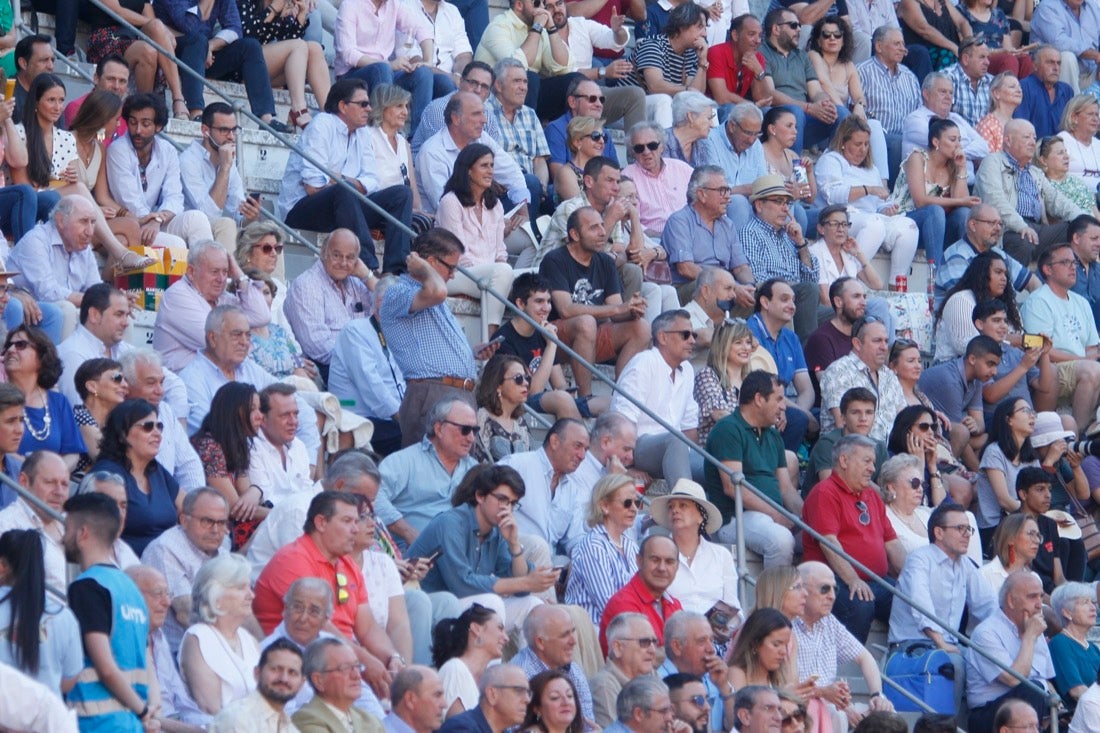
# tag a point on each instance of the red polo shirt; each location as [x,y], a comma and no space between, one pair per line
[635,597]
[831,510]
[302,559]
[723,64]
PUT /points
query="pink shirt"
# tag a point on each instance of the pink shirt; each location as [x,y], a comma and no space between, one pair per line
[659,196]
[484,239]
[363,29]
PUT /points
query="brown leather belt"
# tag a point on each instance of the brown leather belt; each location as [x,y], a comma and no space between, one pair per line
[456,382]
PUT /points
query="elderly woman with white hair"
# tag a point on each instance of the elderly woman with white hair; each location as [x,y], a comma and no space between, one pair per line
[260,245]
[217,655]
[112,485]
[1076,659]
[694,115]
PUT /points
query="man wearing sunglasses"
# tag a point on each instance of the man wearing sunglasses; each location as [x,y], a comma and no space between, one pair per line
[824,644]
[586,98]
[688,696]
[848,511]
[631,653]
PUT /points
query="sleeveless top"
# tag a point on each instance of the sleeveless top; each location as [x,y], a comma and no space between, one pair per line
[234,670]
[903,197]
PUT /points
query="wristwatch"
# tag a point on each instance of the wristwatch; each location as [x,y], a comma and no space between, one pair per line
[602,72]
[536,28]
[760,76]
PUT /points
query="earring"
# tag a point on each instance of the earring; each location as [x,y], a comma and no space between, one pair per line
[477,641]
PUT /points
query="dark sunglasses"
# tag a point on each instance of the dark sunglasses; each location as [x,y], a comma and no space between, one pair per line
[640,148]
[519,379]
[796,717]
[269,248]
[18,344]
[364,103]
[596,137]
[792,24]
[117,377]
[864,513]
[464,429]
[826,589]
[636,503]
[686,334]
[150,425]
[915,482]
[696,700]
[835,35]
[924,427]
[591,98]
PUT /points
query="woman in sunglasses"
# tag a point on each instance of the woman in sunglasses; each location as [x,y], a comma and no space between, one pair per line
[917,432]
[389,114]
[131,440]
[101,387]
[501,400]
[553,707]
[1009,449]
[32,365]
[260,245]
[606,558]
[224,442]
[1014,546]
[584,137]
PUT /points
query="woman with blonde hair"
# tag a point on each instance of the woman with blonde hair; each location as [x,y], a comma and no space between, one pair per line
[389,114]
[606,558]
[718,384]
[1080,123]
[585,138]
[1015,546]
[1005,95]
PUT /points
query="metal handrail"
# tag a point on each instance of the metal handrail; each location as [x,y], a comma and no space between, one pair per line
[48,510]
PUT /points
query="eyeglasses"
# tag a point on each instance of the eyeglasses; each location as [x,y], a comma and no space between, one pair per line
[596,137]
[18,345]
[864,513]
[521,690]
[592,99]
[519,379]
[450,268]
[792,24]
[1062,262]
[837,223]
[502,499]
[1034,534]
[990,222]
[476,85]
[750,133]
[861,322]
[965,529]
[636,503]
[150,425]
[269,248]
[778,201]
[343,595]
[826,589]
[209,523]
[722,190]
[345,668]
[644,642]
[363,103]
[924,427]
[834,35]
[640,148]
[685,334]
[663,712]
[1025,410]
[696,700]
[300,609]
[464,429]
[227,130]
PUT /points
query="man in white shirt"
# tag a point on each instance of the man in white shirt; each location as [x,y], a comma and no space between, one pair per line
[938,95]
[663,379]
[211,182]
[611,445]
[452,47]
[45,475]
[279,463]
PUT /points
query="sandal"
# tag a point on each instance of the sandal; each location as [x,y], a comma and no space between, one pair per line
[132,262]
[300,118]
[176,105]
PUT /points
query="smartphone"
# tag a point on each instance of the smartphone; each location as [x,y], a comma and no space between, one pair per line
[497,340]
[434,556]
[514,210]
[1033,341]
[255,196]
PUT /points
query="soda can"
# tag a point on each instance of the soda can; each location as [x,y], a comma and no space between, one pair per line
[901,284]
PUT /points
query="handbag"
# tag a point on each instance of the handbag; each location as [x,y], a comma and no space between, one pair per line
[658,271]
[1090,533]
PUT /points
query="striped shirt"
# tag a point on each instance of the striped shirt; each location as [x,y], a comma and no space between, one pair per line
[970,103]
[522,138]
[599,570]
[891,95]
[656,53]
[1027,201]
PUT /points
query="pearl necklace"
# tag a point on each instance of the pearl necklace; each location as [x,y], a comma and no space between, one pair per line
[46,422]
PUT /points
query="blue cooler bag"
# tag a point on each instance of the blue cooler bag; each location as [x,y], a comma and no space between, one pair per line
[924,671]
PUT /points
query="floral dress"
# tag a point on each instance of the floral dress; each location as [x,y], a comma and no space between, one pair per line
[213,463]
[1076,191]
[711,395]
[278,354]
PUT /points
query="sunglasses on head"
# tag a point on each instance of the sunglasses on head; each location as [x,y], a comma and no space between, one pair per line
[269,248]
[150,425]
[861,322]
[640,148]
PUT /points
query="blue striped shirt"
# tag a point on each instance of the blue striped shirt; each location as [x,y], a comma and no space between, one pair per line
[1027,202]
[427,344]
[891,96]
[773,254]
[599,571]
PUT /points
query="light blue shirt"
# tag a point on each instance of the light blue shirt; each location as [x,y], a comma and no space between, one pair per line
[428,343]
[943,586]
[164,187]
[415,486]
[1068,322]
[558,517]
[47,269]
[363,374]
[328,140]
[198,178]
[1057,25]
[528,661]
[999,637]
[436,160]
[741,168]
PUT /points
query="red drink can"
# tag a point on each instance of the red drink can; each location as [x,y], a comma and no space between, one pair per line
[901,284]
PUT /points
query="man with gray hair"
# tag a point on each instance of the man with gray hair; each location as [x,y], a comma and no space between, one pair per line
[179,552]
[332,669]
[1073,28]
[521,132]
[892,91]
[551,638]
[758,710]
[662,378]
[503,703]
[611,444]
[689,649]
[417,701]
[938,95]
[860,528]
[112,485]
[643,706]
[737,151]
[185,304]
[701,235]
[716,294]
[631,653]
[1044,97]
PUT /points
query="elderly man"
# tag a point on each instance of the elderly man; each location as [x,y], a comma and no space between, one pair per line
[940,578]
[334,291]
[1045,97]
[1034,212]
[758,710]
[418,481]
[983,234]
[938,95]
[1013,635]
[716,294]
[891,89]
[647,591]
[1084,238]
[972,79]
[551,638]
[502,705]
[464,120]
[776,249]
[1073,28]
[689,649]
[187,302]
[45,475]
[549,506]
[332,669]
[279,462]
[860,528]
[662,182]
[662,378]
[746,441]
[211,182]
[736,72]
[631,653]
[864,367]
[278,679]
[114,486]
[736,149]
[824,644]
[521,132]
[179,552]
[426,340]
[611,443]
[307,610]
[701,235]
[417,700]
[644,706]
[339,140]
[478,78]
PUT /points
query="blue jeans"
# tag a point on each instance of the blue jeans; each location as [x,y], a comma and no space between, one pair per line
[243,57]
[856,615]
[812,131]
[50,323]
[476,15]
[18,209]
[47,199]
[937,227]
[423,84]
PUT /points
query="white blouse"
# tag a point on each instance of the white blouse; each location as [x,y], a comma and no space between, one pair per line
[388,159]
[1084,160]
[828,273]
[836,178]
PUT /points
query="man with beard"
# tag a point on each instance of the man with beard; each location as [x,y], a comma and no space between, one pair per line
[278,677]
[688,696]
[833,338]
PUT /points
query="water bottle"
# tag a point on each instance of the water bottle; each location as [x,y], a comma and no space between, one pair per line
[798,171]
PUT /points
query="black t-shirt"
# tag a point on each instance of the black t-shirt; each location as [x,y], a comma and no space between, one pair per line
[1043,564]
[91,603]
[527,348]
[590,285]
